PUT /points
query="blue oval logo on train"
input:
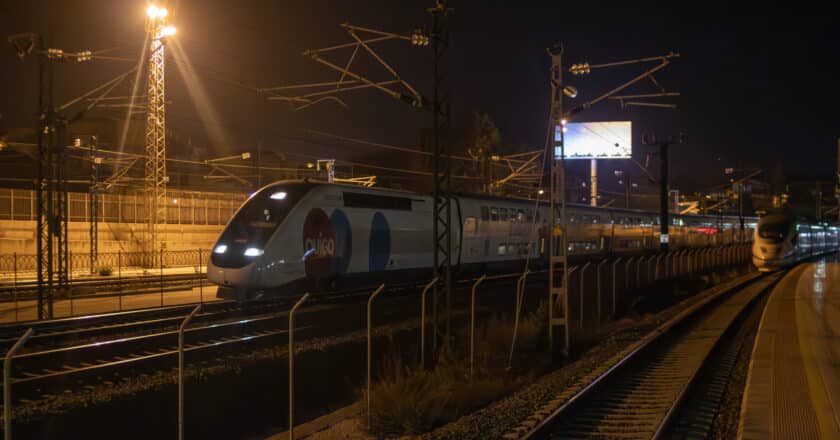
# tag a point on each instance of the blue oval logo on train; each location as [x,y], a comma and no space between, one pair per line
[343,241]
[379,246]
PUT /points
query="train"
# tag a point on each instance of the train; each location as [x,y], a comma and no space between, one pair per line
[304,234]
[781,240]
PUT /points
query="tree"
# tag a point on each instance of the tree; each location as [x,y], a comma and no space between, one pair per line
[483,142]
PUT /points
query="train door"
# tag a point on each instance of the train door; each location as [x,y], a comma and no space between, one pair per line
[475,220]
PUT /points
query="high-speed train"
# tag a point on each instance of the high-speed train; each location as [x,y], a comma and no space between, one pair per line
[304,233]
[781,240]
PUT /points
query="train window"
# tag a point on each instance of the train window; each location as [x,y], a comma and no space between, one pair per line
[503,214]
[470,224]
[529,215]
[376,201]
[494,214]
[573,219]
[596,219]
[485,213]
[520,215]
[502,248]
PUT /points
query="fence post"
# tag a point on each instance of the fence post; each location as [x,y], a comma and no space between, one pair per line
[639,271]
[14,264]
[69,287]
[520,290]
[472,324]
[119,278]
[7,383]
[200,279]
[615,263]
[582,282]
[598,302]
[181,370]
[161,277]
[369,304]
[423,321]
[292,364]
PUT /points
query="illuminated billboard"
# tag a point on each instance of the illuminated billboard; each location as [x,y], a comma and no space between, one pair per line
[596,140]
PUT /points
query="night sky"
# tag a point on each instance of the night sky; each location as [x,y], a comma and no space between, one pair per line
[758,84]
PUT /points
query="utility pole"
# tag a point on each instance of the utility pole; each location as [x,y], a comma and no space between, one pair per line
[663,197]
[155,170]
[818,197]
[558,271]
[442,212]
[51,192]
[837,183]
[741,211]
[663,186]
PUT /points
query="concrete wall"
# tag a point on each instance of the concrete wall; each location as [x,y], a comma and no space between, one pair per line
[19,236]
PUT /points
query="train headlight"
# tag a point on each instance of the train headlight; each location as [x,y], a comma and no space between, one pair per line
[253,252]
[280,195]
[220,249]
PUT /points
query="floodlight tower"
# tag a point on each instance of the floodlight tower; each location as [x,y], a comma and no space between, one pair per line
[156,178]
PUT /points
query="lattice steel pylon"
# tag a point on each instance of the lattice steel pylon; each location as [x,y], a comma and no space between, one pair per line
[442,221]
[558,250]
[155,176]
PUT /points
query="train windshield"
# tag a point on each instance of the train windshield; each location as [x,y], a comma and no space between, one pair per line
[248,231]
[774,229]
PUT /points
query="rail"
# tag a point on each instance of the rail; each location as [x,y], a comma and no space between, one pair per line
[633,355]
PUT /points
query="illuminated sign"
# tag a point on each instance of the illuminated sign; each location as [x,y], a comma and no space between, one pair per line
[596,140]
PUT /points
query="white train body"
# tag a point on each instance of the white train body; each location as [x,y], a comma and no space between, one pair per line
[781,241]
[294,231]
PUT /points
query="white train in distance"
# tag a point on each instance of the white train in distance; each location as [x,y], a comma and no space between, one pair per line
[294,235]
[781,240]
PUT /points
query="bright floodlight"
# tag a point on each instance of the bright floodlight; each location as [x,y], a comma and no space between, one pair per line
[168,31]
[155,12]
[280,195]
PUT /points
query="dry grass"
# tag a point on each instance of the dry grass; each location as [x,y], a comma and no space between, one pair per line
[409,400]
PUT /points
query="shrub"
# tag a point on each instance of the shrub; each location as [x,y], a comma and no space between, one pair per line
[418,400]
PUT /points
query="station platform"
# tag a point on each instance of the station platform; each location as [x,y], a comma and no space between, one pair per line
[793,384]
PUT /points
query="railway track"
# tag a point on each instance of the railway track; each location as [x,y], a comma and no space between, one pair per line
[639,395]
[73,352]
[81,328]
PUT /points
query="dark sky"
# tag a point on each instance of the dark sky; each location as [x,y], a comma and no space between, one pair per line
[758,83]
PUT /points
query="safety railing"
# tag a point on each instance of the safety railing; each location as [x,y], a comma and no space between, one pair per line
[119,281]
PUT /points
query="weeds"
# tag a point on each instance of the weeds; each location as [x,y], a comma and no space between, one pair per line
[409,400]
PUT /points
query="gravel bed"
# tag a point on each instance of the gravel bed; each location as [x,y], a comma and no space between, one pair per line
[502,416]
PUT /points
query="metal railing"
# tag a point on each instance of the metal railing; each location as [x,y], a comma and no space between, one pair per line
[21,267]
[119,281]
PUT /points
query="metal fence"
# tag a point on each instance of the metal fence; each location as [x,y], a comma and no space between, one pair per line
[23,266]
[183,207]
